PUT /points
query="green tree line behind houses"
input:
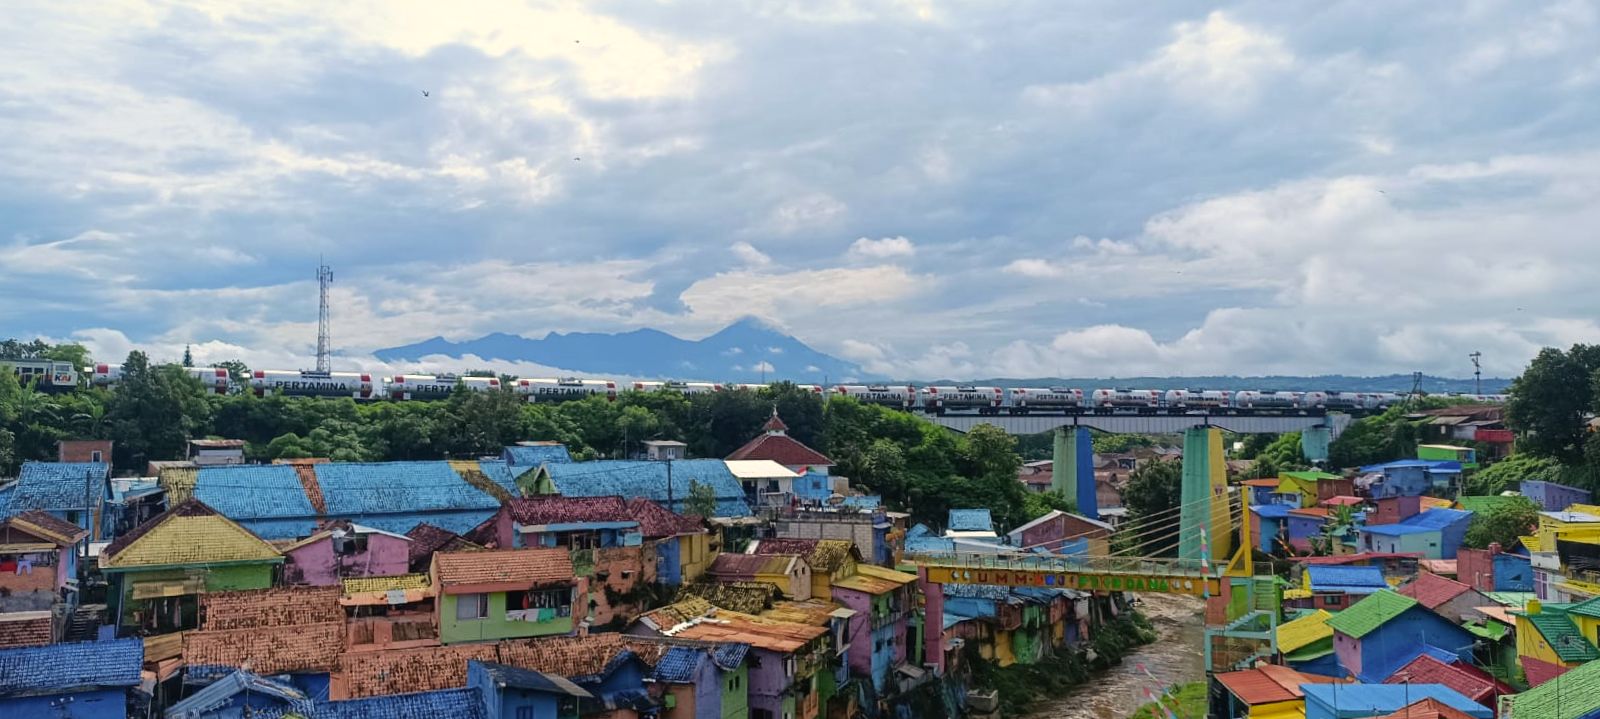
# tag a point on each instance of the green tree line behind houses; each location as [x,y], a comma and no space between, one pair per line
[156,409]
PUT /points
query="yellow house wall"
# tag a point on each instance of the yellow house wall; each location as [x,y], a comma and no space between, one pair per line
[1530,643]
[1002,648]
[1279,710]
[694,555]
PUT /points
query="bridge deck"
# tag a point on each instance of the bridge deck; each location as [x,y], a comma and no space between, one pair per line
[1120,574]
[1149,424]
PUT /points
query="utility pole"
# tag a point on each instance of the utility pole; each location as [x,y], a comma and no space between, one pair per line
[324,279]
[1477,372]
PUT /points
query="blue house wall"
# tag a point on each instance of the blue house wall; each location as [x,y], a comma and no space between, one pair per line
[1390,646]
[99,704]
[1512,573]
[1552,497]
[505,702]
[669,570]
[1326,665]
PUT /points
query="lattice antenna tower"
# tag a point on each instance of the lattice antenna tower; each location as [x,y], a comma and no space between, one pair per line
[324,348]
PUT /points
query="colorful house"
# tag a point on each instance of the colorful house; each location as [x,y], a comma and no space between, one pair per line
[1552,497]
[571,522]
[75,492]
[513,693]
[342,550]
[1373,637]
[1265,692]
[158,571]
[1549,643]
[1268,525]
[1306,644]
[1573,696]
[81,680]
[1436,533]
[1301,488]
[1303,524]
[787,660]
[1467,457]
[1409,477]
[504,594]
[883,600]
[1262,490]
[38,561]
[769,484]
[242,693]
[1062,533]
[427,539]
[774,443]
[1337,701]
[788,573]
[294,631]
[1335,588]
[1446,597]
[1470,681]
[704,682]
[682,544]
[830,560]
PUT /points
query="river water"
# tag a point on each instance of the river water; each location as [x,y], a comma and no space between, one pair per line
[1174,658]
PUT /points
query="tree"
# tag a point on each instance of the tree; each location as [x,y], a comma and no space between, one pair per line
[702,501]
[1516,517]
[1508,472]
[238,373]
[188,358]
[154,412]
[1038,504]
[1154,490]
[1549,401]
[1285,453]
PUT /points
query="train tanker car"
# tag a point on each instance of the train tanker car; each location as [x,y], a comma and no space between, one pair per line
[679,387]
[1107,401]
[1190,400]
[1028,400]
[421,386]
[960,398]
[565,388]
[896,396]
[215,379]
[358,385]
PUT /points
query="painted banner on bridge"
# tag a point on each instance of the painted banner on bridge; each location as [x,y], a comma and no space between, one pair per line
[1154,583]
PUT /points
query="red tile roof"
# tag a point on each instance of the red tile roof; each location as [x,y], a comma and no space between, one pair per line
[747,566]
[403,671]
[427,539]
[1267,684]
[774,424]
[1266,482]
[1342,500]
[1432,590]
[1427,670]
[277,607]
[24,629]
[501,570]
[1362,557]
[1428,709]
[783,449]
[559,510]
[658,521]
[268,650]
[37,522]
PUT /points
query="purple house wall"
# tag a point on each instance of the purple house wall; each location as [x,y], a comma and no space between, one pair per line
[860,657]
[1552,497]
[768,680]
[315,560]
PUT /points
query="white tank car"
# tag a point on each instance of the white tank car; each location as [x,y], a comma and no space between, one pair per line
[1384,400]
[421,386]
[748,387]
[1025,400]
[106,374]
[565,388]
[676,386]
[986,400]
[359,385]
[1251,399]
[812,388]
[215,379]
[1115,398]
[1338,400]
[901,396]
[1186,399]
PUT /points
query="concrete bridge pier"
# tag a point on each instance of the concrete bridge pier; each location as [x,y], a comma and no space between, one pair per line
[1072,468]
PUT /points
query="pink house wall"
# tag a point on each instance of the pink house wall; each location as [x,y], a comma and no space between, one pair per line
[317,565]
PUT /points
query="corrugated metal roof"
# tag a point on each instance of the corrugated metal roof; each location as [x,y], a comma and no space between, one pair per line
[1432,590]
[1428,709]
[357,488]
[629,478]
[1346,577]
[1370,613]
[759,469]
[1302,631]
[58,485]
[57,667]
[970,520]
[1271,511]
[1374,699]
[1253,686]
[1426,669]
[1561,634]
[1576,695]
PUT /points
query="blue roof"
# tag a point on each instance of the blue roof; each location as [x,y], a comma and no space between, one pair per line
[502,474]
[1360,700]
[354,489]
[5,499]
[970,520]
[459,521]
[529,679]
[930,545]
[678,665]
[1430,465]
[259,491]
[524,457]
[270,529]
[865,501]
[730,655]
[453,703]
[1346,578]
[1438,518]
[58,485]
[214,695]
[633,478]
[60,668]
[1271,511]
[1396,530]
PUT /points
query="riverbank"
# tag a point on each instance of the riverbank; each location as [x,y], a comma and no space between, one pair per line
[1023,687]
[1191,704]
[1175,658]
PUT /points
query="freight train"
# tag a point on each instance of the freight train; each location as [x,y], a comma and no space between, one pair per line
[931,399]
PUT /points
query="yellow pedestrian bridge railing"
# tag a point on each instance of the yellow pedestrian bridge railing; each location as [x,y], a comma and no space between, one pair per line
[1121,574]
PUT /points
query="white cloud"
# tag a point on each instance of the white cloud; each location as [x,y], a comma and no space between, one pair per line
[1035,268]
[883,248]
[749,255]
[763,367]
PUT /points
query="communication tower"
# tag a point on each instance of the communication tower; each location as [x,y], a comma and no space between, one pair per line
[324,350]
[1477,372]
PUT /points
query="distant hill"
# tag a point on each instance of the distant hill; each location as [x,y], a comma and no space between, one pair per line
[734,354]
[1386,383]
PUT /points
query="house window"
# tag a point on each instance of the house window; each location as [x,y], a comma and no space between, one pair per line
[524,712]
[350,544]
[95,456]
[1333,600]
[472,606]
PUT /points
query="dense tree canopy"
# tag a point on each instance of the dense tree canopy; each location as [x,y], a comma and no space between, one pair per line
[1551,398]
[1517,517]
[1154,490]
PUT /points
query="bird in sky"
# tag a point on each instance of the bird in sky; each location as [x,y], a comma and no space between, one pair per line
[424,93]
[576,159]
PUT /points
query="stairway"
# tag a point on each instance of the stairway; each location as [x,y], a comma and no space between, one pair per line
[84,624]
[1244,620]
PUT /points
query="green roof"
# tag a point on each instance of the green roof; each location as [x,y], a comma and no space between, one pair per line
[1309,652]
[1511,599]
[1310,476]
[1371,612]
[1485,504]
[1577,694]
[1491,630]
[1588,608]
[1562,635]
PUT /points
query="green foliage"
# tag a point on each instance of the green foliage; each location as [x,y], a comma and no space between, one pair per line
[1191,702]
[154,412]
[1284,452]
[1549,402]
[1372,440]
[1107,443]
[1506,473]
[1154,489]
[702,501]
[1503,524]
[1038,504]
[1021,686]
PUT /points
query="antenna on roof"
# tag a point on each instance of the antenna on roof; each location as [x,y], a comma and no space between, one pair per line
[324,351]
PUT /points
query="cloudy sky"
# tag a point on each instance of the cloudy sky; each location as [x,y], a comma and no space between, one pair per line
[929,188]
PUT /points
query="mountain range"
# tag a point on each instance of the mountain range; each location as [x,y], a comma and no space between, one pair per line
[751,350]
[748,350]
